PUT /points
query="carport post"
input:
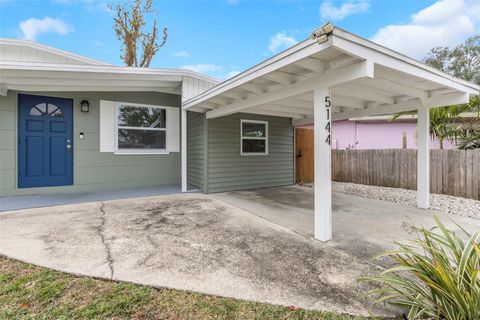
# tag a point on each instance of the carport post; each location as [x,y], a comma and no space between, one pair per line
[184,149]
[322,164]
[423,158]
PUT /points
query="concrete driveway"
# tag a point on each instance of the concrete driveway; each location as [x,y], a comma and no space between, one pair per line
[361,227]
[189,241]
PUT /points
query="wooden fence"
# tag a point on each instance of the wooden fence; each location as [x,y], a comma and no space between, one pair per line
[452,172]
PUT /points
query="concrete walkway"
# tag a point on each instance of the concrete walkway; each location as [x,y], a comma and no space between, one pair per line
[57,199]
[191,242]
[361,227]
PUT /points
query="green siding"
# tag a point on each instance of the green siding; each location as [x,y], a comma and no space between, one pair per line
[93,170]
[228,170]
[195,149]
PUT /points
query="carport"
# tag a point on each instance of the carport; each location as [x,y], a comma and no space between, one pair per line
[334,75]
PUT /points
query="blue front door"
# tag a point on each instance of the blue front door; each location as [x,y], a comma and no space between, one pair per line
[45,144]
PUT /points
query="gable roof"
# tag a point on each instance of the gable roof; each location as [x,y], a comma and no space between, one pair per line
[29,51]
[30,66]
[364,78]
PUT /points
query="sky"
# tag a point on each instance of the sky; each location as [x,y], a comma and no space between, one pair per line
[223,37]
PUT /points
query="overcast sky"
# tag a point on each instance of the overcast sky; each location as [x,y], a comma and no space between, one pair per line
[221,38]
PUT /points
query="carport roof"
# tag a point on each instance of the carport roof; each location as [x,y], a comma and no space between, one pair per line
[365,79]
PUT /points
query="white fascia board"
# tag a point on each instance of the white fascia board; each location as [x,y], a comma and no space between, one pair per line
[298,52]
[93,81]
[174,74]
[365,49]
[328,79]
[14,76]
[78,88]
[446,100]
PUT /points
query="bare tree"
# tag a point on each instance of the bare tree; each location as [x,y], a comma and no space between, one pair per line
[129,24]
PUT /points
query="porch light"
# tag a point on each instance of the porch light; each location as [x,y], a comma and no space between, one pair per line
[84,106]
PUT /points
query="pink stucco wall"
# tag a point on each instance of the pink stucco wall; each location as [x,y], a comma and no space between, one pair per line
[348,134]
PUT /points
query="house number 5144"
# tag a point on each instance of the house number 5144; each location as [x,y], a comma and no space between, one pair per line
[328,105]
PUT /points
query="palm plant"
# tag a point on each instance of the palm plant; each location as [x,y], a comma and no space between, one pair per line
[442,120]
[438,276]
[462,61]
[469,139]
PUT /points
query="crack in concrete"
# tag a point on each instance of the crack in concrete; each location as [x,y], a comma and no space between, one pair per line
[101,231]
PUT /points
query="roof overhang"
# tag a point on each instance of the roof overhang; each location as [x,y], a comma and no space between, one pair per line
[365,79]
[32,76]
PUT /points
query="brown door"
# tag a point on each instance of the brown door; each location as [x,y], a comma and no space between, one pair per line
[304,155]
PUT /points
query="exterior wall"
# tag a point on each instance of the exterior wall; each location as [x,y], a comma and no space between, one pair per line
[227,170]
[347,134]
[195,149]
[93,170]
[192,87]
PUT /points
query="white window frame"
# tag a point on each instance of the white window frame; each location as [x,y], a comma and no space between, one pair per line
[242,121]
[138,151]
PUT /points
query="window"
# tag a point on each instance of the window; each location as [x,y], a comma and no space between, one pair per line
[141,129]
[43,109]
[254,137]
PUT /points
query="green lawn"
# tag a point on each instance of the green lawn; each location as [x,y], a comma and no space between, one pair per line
[31,292]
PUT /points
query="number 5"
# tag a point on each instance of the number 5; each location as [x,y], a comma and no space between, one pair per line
[328,103]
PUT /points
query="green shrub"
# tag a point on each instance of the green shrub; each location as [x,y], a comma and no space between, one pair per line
[437,276]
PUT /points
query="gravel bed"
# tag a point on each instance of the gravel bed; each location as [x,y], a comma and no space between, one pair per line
[438,202]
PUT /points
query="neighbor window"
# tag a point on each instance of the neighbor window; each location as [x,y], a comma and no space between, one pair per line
[141,129]
[254,137]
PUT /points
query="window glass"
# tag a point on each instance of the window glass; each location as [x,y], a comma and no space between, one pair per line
[54,111]
[254,137]
[253,146]
[38,110]
[251,129]
[141,139]
[141,117]
[141,128]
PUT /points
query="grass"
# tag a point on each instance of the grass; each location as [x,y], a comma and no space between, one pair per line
[32,292]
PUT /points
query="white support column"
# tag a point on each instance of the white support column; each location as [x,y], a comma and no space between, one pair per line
[423,158]
[184,149]
[322,164]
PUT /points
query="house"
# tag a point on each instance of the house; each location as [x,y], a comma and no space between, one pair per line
[69,123]
[380,132]
[60,127]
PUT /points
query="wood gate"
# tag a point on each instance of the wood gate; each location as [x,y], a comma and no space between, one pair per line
[304,155]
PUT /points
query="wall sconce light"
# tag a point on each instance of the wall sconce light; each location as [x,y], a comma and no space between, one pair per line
[84,106]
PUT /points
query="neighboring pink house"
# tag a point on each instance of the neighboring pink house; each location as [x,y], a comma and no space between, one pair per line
[378,133]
